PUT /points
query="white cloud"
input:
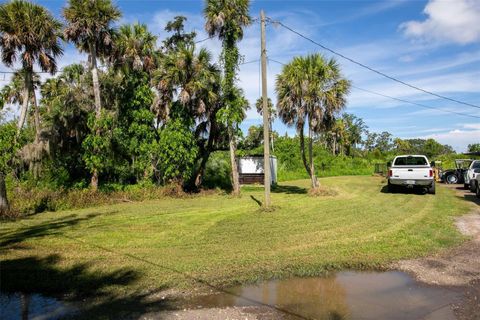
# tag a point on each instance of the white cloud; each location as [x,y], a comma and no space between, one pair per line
[475,126]
[448,21]
[458,139]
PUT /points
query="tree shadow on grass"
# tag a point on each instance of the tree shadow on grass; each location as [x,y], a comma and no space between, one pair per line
[77,283]
[45,229]
[97,290]
[289,189]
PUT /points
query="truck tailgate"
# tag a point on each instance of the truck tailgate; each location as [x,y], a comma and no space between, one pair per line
[410,173]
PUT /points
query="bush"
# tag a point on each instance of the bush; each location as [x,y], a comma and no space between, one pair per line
[26,200]
[217,172]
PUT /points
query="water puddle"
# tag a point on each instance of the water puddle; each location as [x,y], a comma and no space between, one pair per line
[345,295]
[32,306]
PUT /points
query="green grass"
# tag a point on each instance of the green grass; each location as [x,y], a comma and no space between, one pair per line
[222,240]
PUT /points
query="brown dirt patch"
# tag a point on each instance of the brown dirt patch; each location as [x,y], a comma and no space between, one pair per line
[459,267]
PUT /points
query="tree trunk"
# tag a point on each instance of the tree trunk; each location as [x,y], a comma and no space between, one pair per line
[334,145]
[94,180]
[310,158]
[4,205]
[271,136]
[24,110]
[302,150]
[96,84]
[203,164]
[233,162]
[25,303]
[98,106]
[36,115]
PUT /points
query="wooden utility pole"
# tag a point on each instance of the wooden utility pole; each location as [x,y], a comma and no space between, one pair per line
[266,117]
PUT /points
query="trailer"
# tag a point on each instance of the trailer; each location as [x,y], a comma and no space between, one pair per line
[251,169]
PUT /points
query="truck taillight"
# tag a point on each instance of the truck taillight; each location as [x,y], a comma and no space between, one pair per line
[390,173]
[430,173]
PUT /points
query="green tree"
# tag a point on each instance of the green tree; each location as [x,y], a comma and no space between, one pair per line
[355,127]
[310,90]
[67,103]
[134,48]
[29,34]
[89,27]
[384,142]
[227,19]
[474,147]
[8,147]
[188,81]
[402,146]
[272,113]
[177,151]
[254,137]
[339,136]
[135,135]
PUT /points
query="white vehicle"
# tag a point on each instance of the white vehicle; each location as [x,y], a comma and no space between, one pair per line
[477,182]
[469,178]
[411,171]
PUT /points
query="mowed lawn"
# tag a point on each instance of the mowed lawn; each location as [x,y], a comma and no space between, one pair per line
[222,240]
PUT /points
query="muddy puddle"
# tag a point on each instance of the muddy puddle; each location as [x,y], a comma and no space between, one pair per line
[346,295]
[32,306]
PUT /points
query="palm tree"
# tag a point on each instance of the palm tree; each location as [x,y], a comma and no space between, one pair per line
[226,19]
[134,48]
[193,79]
[272,113]
[29,34]
[339,136]
[310,90]
[12,93]
[89,27]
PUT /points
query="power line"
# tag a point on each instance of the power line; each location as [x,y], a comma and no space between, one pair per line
[370,68]
[415,103]
[203,40]
[402,100]
[248,62]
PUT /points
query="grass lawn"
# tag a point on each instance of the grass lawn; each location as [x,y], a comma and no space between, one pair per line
[221,240]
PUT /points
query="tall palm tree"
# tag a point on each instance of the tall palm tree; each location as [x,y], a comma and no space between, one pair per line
[89,26]
[134,48]
[310,90]
[30,35]
[193,79]
[226,20]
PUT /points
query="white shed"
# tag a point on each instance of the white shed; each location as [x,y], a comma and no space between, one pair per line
[251,170]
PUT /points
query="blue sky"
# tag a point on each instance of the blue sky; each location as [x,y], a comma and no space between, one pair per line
[431,44]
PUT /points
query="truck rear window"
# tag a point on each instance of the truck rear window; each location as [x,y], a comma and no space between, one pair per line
[410,161]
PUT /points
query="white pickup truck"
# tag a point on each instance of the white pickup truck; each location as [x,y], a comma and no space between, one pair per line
[469,178]
[411,171]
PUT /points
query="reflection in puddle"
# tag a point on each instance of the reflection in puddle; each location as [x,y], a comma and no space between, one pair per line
[346,295]
[31,306]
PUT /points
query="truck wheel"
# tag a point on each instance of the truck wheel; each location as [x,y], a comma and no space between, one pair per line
[431,189]
[472,186]
[451,179]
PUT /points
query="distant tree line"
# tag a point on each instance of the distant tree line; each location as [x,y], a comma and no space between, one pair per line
[350,136]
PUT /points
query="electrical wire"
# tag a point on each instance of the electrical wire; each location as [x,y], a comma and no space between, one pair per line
[401,100]
[370,68]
